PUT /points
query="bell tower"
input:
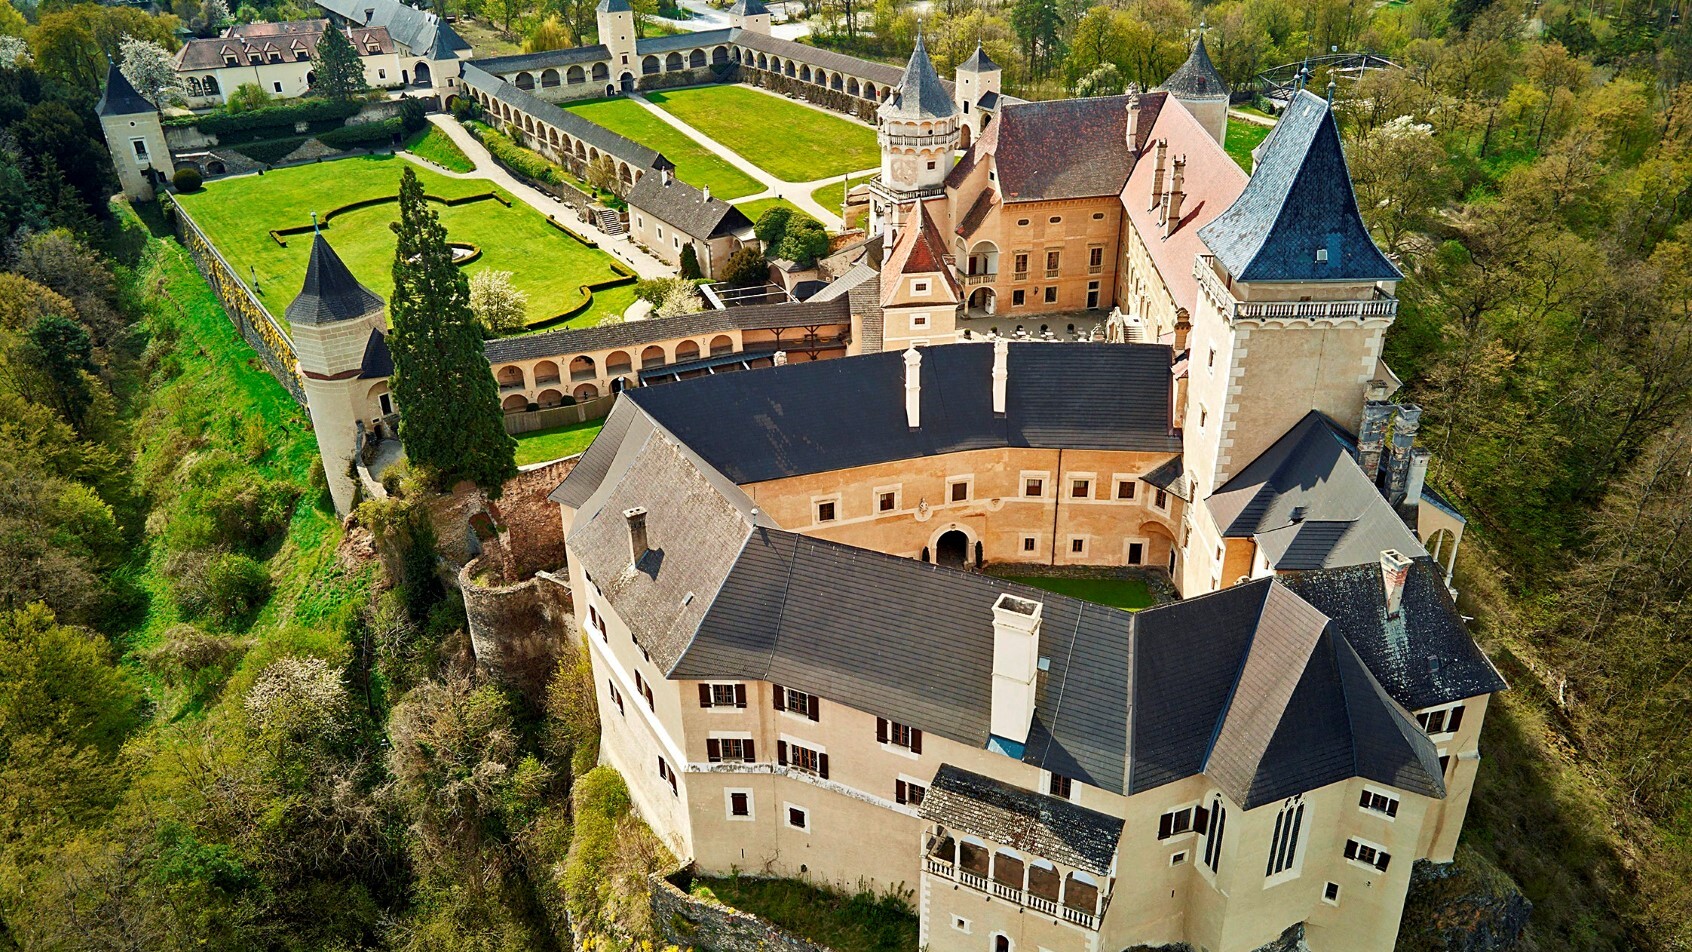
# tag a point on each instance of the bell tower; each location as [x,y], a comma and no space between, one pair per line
[918,132]
[617,32]
[977,84]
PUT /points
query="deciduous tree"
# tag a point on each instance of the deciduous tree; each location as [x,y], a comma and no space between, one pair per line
[149,68]
[497,303]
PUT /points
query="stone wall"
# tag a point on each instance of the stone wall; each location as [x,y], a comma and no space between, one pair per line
[532,527]
[1468,905]
[515,630]
[688,921]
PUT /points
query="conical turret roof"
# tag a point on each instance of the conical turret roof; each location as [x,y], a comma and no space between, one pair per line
[920,95]
[1197,78]
[749,8]
[330,293]
[120,97]
[979,62]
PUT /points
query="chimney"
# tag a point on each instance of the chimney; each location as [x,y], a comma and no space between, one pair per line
[913,388]
[1016,665]
[1163,213]
[1183,327]
[637,532]
[1395,568]
[1133,136]
[668,178]
[1418,476]
[1157,173]
[1371,437]
[1001,373]
[706,194]
[1403,440]
[1176,196]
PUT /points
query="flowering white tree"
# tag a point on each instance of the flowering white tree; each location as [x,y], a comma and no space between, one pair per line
[499,306]
[13,51]
[149,68]
[681,298]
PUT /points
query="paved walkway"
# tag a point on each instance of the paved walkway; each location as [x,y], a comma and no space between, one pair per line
[706,17]
[799,193]
[644,265]
[1255,120]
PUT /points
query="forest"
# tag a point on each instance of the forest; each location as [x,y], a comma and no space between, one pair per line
[228,722]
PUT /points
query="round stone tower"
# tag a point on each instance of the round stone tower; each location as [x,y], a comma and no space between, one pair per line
[918,132]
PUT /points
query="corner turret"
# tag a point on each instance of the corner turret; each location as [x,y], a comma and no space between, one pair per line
[1197,85]
[751,16]
[134,136]
[918,133]
[977,84]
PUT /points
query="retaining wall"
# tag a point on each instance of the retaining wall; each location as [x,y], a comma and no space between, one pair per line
[515,630]
[688,921]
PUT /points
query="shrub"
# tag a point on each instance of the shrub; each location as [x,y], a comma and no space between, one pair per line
[746,267]
[362,134]
[689,262]
[465,109]
[186,650]
[247,512]
[271,117]
[236,586]
[413,115]
[525,162]
[187,179]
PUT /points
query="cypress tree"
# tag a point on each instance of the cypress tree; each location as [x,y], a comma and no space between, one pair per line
[450,422]
[689,262]
[340,75]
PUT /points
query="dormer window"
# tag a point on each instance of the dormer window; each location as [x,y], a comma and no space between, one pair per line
[1321,256]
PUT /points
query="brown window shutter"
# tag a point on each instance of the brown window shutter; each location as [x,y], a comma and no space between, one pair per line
[1364,803]
[1201,818]
[1392,808]
[740,695]
[747,746]
[1350,849]
[1455,719]
[822,770]
[813,704]
[704,695]
[714,750]
[899,790]
[1165,825]
[916,741]
[779,695]
[1381,860]
[781,752]
[881,733]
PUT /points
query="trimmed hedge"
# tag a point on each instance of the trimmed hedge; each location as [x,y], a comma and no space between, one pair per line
[525,162]
[584,296]
[310,110]
[363,134]
[271,151]
[281,233]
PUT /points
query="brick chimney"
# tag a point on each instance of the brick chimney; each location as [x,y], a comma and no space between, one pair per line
[913,388]
[1161,151]
[1404,427]
[1001,374]
[1395,569]
[1016,666]
[637,532]
[1176,196]
[1371,437]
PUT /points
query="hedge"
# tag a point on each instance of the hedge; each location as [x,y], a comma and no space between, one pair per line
[365,133]
[278,234]
[526,162]
[310,110]
[271,151]
[584,296]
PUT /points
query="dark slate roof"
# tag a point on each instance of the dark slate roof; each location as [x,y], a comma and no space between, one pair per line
[598,458]
[443,47]
[614,6]
[1168,476]
[967,802]
[1063,148]
[378,362]
[1307,503]
[1299,200]
[685,208]
[331,293]
[683,41]
[415,29]
[120,97]
[594,135]
[640,333]
[1424,657]
[519,62]
[1196,78]
[251,46]
[820,416]
[989,100]
[749,8]
[920,95]
[879,73]
[979,62]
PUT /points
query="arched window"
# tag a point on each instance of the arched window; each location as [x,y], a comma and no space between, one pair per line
[574,75]
[674,62]
[687,350]
[1001,942]
[582,368]
[1007,869]
[696,59]
[1081,893]
[721,344]
[549,78]
[601,72]
[211,85]
[1283,843]
[720,56]
[649,66]
[524,81]
[652,357]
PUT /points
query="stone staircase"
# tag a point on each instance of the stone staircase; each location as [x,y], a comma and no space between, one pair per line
[610,222]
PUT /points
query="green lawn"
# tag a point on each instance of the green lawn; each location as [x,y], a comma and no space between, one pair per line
[833,196]
[860,923]
[1242,138]
[795,143]
[541,446]
[437,147]
[755,209]
[238,213]
[695,164]
[1130,594]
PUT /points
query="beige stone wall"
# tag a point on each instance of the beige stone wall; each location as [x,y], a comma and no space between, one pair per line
[666,241]
[1072,229]
[1141,289]
[122,135]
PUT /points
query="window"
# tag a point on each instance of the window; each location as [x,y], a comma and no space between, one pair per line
[825,511]
[1204,415]
[1176,859]
[1330,894]
[730,750]
[1211,362]
[1028,543]
[616,698]
[1020,264]
[740,804]
[1367,854]
[1321,256]
[645,691]
[1033,487]
[1443,721]
[798,817]
[931,165]
[381,74]
[664,772]
[1052,260]
[1161,500]
[1080,488]
[960,923]
[1125,489]
[886,501]
[919,321]
[1098,216]
[722,695]
[1055,220]
[899,735]
[1001,943]
[1283,843]
[386,401]
[1382,803]
[1095,259]
[1092,295]
[1175,822]
[140,148]
[909,791]
[1022,222]
[919,287]
[1051,295]
[1216,829]
[958,491]
[1059,786]
[1136,553]
[277,85]
[1078,546]
[1019,297]
[1444,765]
[795,702]
[802,758]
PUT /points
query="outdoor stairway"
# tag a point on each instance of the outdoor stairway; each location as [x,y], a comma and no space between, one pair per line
[610,222]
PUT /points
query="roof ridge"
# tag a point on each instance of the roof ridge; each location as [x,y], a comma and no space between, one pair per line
[1239,673]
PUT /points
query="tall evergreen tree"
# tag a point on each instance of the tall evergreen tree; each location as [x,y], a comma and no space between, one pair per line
[340,75]
[450,419]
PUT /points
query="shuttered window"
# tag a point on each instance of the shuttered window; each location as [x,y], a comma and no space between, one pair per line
[797,702]
[722,695]
[1367,854]
[899,735]
[802,758]
[730,750]
[906,791]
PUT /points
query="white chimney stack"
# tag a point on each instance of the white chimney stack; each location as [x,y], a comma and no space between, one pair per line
[637,532]
[1001,373]
[706,192]
[1395,569]
[913,388]
[1016,665]
[1162,151]
[1418,476]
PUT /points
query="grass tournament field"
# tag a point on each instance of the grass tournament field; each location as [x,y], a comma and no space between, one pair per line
[237,215]
[695,164]
[793,142]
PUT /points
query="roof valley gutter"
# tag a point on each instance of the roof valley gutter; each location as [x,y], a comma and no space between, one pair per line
[1057,705]
[1057,501]
[786,588]
[1233,689]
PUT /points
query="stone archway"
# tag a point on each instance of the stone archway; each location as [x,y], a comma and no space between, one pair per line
[952,549]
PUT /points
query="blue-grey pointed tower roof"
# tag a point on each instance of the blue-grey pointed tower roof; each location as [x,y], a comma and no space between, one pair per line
[330,293]
[120,97]
[749,8]
[1197,78]
[614,6]
[1299,201]
[920,94]
[443,47]
[980,62]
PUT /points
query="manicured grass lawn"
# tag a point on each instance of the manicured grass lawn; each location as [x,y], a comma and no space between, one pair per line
[1130,594]
[238,213]
[832,196]
[861,923]
[1242,138]
[794,143]
[755,209]
[556,443]
[695,164]
[435,146]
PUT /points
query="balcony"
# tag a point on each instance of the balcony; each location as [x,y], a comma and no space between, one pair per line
[939,866]
[1380,305]
[971,280]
